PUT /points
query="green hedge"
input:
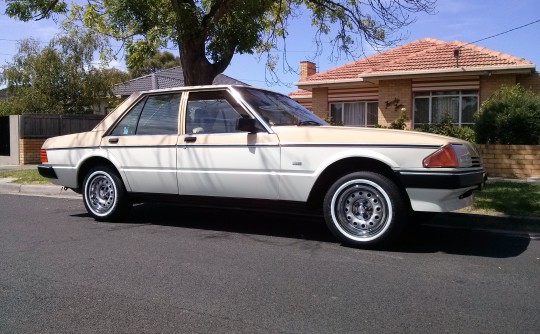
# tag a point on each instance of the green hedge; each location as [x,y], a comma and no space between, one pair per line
[510,116]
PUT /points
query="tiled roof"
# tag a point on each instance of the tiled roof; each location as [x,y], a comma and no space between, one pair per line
[3,93]
[420,55]
[299,93]
[168,78]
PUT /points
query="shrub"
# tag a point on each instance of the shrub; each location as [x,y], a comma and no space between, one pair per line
[399,123]
[510,116]
[446,128]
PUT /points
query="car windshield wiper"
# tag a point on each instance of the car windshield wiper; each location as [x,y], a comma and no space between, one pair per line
[308,123]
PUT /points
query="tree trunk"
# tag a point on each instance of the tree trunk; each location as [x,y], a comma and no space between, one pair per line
[197,69]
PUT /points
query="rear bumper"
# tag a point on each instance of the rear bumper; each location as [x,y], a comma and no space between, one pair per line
[47,171]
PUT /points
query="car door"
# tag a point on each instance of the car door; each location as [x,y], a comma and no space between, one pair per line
[216,159]
[143,144]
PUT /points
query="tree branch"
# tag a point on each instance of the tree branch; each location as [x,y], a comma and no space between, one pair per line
[217,11]
[46,11]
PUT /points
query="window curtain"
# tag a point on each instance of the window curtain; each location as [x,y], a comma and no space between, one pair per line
[354,114]
[445,105]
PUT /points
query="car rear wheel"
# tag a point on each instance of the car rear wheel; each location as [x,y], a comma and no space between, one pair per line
[104,194]
[365,209]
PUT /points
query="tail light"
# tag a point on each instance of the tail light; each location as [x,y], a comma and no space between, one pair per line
[43,156]
[451,156]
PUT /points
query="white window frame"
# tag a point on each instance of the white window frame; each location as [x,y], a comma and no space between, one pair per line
[432,94]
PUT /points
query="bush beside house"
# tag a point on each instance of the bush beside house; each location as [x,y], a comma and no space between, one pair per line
[510,116]
[508,132]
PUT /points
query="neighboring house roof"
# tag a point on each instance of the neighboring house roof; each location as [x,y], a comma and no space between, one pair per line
[300,93]
[423,56]
[167,78]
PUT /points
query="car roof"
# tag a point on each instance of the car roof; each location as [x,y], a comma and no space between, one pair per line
[203,87]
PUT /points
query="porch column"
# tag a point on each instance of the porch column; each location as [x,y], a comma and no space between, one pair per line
[393,96]
[320,102]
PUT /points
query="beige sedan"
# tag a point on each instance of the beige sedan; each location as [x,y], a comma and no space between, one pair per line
[243,143]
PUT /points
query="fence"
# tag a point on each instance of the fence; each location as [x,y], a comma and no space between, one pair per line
[45,126]
[512,161]
[21,136]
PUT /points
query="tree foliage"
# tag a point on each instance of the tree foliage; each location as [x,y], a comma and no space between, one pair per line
[58,78]
[510,116]
[157,61]
[27,10]
[209,32]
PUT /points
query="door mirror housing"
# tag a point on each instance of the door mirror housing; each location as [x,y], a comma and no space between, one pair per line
[247,125]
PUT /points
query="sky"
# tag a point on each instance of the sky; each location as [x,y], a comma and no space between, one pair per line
[463,20]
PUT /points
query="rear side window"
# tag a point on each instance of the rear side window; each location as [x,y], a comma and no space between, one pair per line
[155,115]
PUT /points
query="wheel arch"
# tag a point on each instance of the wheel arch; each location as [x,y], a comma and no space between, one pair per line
[346,166]
[91,162]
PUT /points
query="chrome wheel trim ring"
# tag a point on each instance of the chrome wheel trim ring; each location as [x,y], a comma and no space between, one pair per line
[361,210]
[100,193]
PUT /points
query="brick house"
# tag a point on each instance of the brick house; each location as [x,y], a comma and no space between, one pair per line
[424,78]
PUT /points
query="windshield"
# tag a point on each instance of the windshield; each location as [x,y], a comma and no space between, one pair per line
[278,109]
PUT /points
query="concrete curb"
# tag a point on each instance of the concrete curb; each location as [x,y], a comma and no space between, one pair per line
[35,189]
[514,224]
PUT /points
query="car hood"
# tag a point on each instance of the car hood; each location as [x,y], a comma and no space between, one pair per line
[357,135]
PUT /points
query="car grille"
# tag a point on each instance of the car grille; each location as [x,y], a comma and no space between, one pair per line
[476,162]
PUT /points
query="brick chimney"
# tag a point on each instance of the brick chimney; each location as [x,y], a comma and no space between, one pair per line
[307,68]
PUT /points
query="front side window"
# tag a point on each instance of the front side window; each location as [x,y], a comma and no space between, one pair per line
[431,107]
[277,109]
[363,113]
[153,115]
[212,112]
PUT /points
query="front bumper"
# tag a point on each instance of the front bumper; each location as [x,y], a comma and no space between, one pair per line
[443,180]
[441,191]
[47,171]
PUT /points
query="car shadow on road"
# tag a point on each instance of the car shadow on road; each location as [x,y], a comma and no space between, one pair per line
[295,225]
[462,241]
[288,224]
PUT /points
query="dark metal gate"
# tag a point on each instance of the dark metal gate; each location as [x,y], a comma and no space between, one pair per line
[4,136]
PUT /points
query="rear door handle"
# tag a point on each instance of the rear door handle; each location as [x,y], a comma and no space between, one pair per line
[113,140]
[190,139]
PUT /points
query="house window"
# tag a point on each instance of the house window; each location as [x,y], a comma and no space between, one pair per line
[362,113]
[430,107]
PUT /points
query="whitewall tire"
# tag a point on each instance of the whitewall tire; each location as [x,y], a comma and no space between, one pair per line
[365,209]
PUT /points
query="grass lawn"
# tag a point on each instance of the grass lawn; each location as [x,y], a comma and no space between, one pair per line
[508,198]
[24,176]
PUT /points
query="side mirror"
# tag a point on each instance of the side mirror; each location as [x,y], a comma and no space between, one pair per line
[247,125]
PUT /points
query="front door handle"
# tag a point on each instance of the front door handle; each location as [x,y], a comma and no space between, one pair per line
[113,140]
[190,139]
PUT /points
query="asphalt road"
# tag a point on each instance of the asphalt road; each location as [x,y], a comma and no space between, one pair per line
[172,269]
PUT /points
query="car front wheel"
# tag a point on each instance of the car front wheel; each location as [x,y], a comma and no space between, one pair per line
[104,195]
[365,209]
